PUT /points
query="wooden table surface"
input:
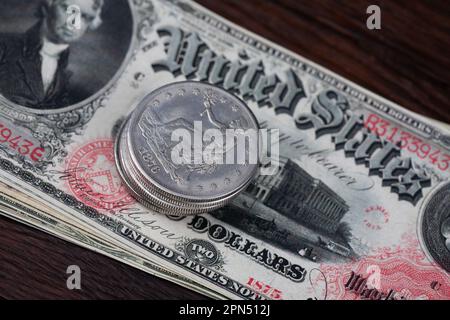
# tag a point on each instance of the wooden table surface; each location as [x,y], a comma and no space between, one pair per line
[407,61]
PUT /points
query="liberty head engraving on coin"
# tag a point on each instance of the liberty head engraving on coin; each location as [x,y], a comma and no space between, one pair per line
[182,144]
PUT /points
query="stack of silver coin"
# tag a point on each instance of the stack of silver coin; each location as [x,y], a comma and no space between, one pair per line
[164,176]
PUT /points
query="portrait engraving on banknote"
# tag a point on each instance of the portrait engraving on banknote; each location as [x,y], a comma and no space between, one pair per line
[54,77]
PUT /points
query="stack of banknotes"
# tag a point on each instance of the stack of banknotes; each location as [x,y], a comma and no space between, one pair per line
[359,207]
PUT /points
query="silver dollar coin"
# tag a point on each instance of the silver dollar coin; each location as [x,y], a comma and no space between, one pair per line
[189,147]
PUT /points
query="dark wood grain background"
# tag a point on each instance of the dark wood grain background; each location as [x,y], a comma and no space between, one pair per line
[407,61]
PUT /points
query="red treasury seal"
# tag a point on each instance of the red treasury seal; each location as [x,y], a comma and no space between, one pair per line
[376,217]
[94,179]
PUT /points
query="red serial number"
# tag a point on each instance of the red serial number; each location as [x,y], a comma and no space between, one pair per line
[264,289]
[409,142]
[22,146]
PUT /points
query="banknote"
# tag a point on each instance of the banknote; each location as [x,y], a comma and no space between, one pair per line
[24,213]
[358,208]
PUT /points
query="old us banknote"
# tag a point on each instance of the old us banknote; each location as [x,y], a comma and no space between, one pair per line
[42,219]
[359,205]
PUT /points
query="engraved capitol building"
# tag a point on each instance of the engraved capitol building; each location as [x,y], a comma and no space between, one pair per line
[294,211]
